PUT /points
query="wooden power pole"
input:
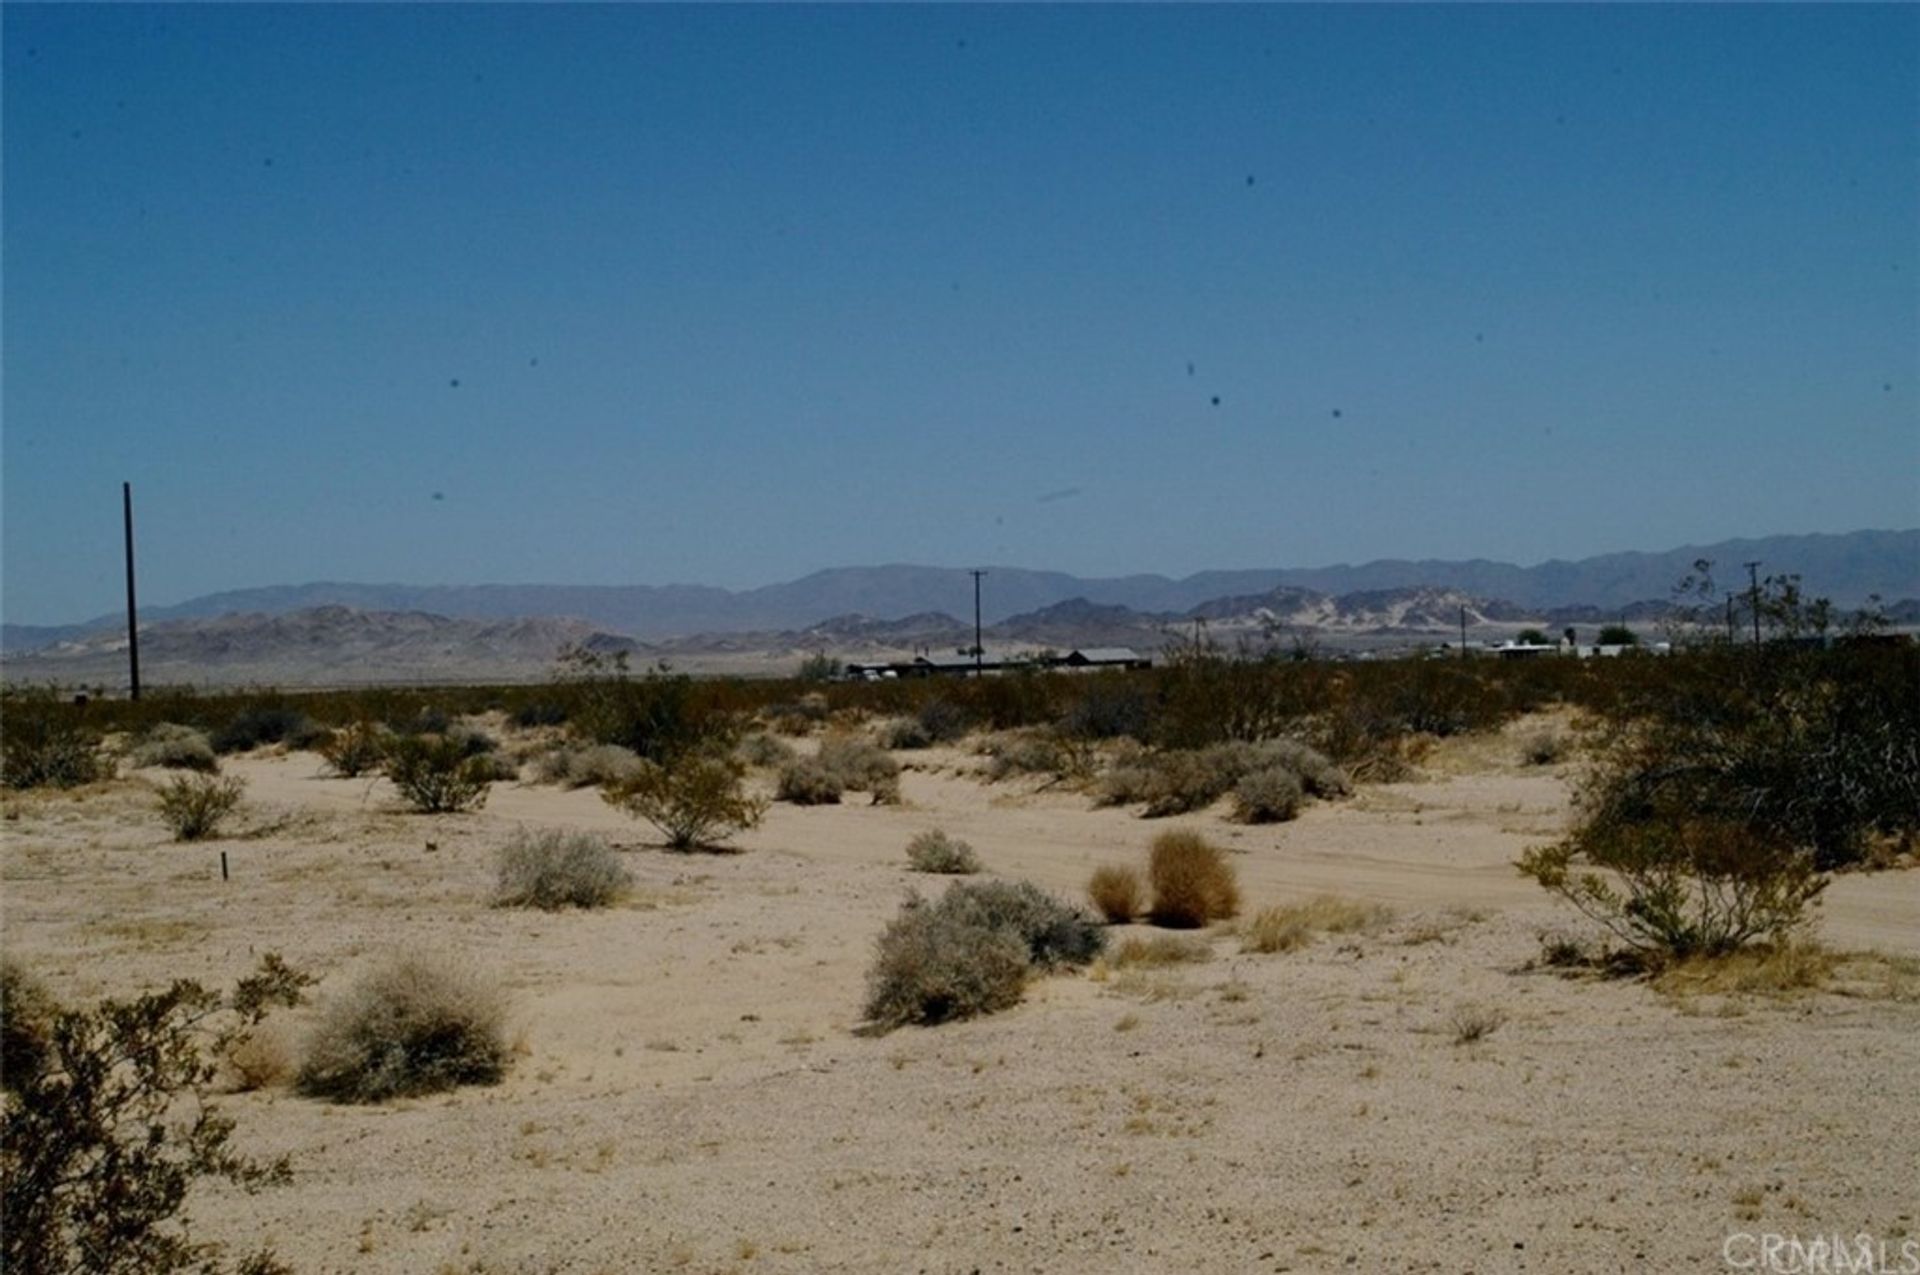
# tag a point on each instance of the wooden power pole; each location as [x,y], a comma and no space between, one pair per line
[133,624]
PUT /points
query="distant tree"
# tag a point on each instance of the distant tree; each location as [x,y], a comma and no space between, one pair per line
[1531,637]
[1618,635]
[819,667]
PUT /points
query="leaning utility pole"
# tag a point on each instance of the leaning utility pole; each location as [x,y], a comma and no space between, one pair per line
[133,627]
[978,651]
[1753,598]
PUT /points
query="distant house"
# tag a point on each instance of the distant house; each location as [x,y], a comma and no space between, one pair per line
[1104,657]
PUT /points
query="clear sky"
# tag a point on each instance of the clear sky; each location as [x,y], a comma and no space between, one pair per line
[621,294]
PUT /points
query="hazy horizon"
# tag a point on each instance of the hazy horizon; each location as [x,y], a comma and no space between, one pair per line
[634,294]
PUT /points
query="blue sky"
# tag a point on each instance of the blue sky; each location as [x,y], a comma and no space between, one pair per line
[614,294]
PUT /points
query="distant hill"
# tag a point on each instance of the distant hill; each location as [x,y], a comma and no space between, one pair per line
[1845,568]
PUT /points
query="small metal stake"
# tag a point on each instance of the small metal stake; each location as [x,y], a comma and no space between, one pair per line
[223,865]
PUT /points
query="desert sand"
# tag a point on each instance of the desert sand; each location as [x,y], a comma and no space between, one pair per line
[692,1094]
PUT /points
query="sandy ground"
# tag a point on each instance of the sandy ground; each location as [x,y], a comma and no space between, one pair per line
[693,1095]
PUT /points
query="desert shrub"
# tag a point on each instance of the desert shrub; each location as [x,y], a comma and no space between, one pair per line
[1161,950]
[413,1025]
[1267,796]
[1055,933]
[861,767]
[589,766]
[436,775]
[28,1013]
[496,767]
[472,740]
[1543,748]
[819,667]
[699,800]
[932,966]
[904,734]
[1191,880]
[552,869]
[254,727]
[539,712]
[194,805]
[355,749]
[1108,709]
[1028,753]
[1189,780]
[762,749]
[43,745]
[1283,929]
[1471,1023]
[176,747]
[107,1128]
[1316,772]
[935,851]
[1679,887]
[257,1059]
[1127,784]
[1180,781]
[658,715]
[807,781]
[1116,893]
[944,721]
[797,717]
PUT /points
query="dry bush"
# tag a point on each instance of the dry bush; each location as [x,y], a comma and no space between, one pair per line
[1161,950]
[261,724]
[27,1016]
[587,766]
[696,802]
[1283,929]
[1772,969]
[944,721]
[762,749]
[904,734]
[258,1058]
[436,774]
[553,869]
[1182,780]
[1543,748]
[1029,753]
[1470,1023]
[1056,933]
[861,767]
[1192,881]
[355,750]
[175,747]
[1116,893]
[414,1025]
[194,805]
[1267,796]
[1125,784]
[931,966]
[807,781]
[42,747]
[935,851]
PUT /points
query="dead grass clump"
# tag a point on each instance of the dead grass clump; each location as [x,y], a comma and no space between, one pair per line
[1116,893]
[1287,928]
[415,1025]
[1191,879]
[932,966]
[193,806]
[552,869]
[257,1059]
[1159,951]
[1471,1023]
[935,851]
[175,747]
[1775,969]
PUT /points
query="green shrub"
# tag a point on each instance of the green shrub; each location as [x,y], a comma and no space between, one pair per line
[436,775]
[698,801]
[935,851]
[354,750]
[1192,881]
[933,967]
[175,747]
[106,1125]
[1272,795]
[552,869]
[411,1026]
[193,806]
[807,781]
[1116,893]
[43,745]
[1108,709]
[1055,933]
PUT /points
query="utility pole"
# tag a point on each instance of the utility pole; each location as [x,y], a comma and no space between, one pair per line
[1729,619]
[1463,631]
[133,627]
[1753,598]
[978,650]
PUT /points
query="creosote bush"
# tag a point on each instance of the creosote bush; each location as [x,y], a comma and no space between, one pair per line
[806,781]
[763,749]
[175,747]
[552,869]
[267,724]
[106,1127]
[1192,881]
[354,750]
[935,851]
[1179,781]
[193,806]
[436,774]
[414,1025]
[1116,893]
[42,745]
[697,801]
[862,767]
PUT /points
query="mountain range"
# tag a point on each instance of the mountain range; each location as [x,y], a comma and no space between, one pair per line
[1845,567]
